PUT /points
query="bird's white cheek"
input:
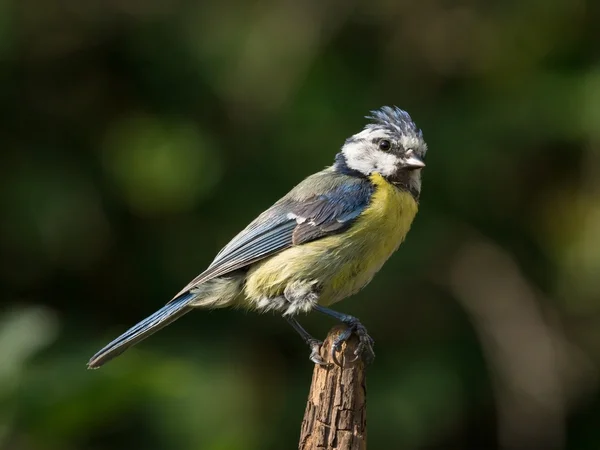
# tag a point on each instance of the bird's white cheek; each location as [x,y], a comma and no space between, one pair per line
[368,161]
[358,158]
[386,163]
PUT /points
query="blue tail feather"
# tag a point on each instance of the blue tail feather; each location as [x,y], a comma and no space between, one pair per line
[151,324]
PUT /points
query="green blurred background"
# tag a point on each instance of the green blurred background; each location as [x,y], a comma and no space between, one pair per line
[137,137]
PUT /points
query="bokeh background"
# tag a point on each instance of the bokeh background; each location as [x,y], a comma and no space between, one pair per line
[137,137]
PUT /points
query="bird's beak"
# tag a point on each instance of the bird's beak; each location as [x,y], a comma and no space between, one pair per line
[412,162]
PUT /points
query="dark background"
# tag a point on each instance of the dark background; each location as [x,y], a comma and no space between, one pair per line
[137,137]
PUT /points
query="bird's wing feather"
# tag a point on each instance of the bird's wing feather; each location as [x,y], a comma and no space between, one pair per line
[330,213]
[294,220]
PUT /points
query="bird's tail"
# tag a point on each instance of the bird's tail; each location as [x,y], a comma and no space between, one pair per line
[150,325]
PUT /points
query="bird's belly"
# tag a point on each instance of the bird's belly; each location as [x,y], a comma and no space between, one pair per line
[339,265]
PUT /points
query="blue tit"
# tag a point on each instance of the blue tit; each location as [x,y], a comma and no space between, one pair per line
[322,242]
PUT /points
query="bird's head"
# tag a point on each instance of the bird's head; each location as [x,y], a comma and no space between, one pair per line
[390,145]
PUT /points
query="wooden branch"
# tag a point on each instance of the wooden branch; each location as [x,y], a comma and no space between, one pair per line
[336,413]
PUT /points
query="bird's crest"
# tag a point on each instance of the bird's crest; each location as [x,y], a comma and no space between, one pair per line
[393,119]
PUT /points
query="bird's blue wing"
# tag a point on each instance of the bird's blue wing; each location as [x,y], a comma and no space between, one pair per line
[330,213]
[294,220]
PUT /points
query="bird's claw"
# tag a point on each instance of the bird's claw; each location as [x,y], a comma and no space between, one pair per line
[364,347]
[315,352]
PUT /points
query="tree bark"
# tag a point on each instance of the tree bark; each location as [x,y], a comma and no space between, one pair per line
[335,416]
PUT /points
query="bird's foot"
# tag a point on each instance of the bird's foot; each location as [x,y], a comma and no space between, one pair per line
[365,342]
[314,344]
[315,352]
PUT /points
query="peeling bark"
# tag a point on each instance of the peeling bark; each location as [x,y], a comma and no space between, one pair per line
[335,416]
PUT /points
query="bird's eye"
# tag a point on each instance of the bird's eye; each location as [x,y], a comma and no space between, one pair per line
[385,145]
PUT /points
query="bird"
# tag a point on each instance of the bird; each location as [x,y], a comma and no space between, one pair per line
[322,242]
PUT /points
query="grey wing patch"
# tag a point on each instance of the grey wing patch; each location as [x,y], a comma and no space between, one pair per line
[259,240]
[267,221]
[262,244]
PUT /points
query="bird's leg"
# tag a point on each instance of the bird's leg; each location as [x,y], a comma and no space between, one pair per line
[314,344]
[365,342]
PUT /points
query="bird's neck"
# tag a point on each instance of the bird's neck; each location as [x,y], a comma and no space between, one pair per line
[341,166]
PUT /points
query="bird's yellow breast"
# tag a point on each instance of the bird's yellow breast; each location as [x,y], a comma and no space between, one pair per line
[341,264]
